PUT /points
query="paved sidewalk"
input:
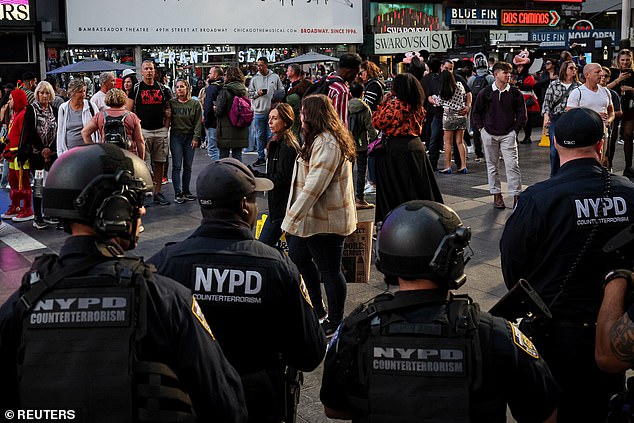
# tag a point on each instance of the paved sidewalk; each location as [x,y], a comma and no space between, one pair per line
[467,194]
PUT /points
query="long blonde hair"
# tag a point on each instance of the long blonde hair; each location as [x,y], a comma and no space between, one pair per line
[319,117]
[188,87]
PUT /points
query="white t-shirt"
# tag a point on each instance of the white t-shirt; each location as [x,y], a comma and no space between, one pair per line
[584,97]
[99,100]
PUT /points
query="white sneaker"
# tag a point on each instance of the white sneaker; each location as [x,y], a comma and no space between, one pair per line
[370,189]
[620,142]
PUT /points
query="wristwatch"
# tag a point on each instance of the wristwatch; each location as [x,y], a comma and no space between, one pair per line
[616,274]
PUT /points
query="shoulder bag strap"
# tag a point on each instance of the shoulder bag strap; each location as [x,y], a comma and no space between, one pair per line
[607,186]
[29,298]
[565,95]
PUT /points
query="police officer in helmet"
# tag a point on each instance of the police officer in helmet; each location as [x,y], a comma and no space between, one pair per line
[250,293]
[96,333]
[424,353]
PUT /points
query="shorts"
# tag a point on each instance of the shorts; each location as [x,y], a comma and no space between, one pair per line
[453,122]
[156,145]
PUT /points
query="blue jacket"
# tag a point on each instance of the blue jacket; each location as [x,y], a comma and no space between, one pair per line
[211,93]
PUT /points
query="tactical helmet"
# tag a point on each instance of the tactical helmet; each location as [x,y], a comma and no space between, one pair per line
[423,239]
[100,185]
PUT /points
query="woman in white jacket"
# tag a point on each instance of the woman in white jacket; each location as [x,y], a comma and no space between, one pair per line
[72,116]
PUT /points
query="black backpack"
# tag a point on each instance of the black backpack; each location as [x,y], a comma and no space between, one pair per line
[322,86]
[114,131]
[479,83]
[355,128]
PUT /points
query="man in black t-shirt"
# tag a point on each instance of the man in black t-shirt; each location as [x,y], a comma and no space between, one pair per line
[149,99]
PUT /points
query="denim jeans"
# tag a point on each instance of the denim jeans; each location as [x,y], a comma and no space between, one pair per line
[5,174]
[182,158]
[362,164]
[436,141]
[321,252]
[212,144]
[554,156]
[236,153]
[252,138]
[271,231]
[263,132]
[477,144]
[371,170]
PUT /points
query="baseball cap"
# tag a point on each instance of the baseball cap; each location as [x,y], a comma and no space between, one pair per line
[579,127]
[227,180]
[127,72]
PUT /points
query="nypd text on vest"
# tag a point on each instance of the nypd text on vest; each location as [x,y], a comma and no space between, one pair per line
[418,360]
[599,210]
[79,310]
[227,284]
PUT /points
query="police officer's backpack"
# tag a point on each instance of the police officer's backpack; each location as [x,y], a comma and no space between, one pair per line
[114,130]
[412,372]
[81,331]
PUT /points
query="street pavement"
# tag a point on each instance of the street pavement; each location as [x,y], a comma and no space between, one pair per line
[467,194]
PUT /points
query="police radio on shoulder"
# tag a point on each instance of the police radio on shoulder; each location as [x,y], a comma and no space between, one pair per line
[617,274]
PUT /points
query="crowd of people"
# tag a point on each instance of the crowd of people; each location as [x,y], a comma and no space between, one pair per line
[309,135]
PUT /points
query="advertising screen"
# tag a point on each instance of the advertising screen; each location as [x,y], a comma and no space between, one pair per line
[152,22]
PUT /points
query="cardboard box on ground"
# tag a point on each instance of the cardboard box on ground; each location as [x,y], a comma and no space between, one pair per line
[357,251]
[357,254]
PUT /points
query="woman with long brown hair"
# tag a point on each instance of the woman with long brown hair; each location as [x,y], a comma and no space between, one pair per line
[403,170]
[321,210]
[554,105]
[281,155]
[453,99]
[623,83]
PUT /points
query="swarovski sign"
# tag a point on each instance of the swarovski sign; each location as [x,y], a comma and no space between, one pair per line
[433,41]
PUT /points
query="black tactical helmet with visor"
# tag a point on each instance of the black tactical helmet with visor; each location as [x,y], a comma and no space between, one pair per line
[99,185]
[426,240]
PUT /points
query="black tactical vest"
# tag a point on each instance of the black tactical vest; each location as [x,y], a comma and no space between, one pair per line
[416,372]
[79,347]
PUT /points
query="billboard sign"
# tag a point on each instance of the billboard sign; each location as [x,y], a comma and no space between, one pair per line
[594,33]
[14,12]
[176,22]
[433,41]
[464,16]
[563,38]
[530,18]
[550,39]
